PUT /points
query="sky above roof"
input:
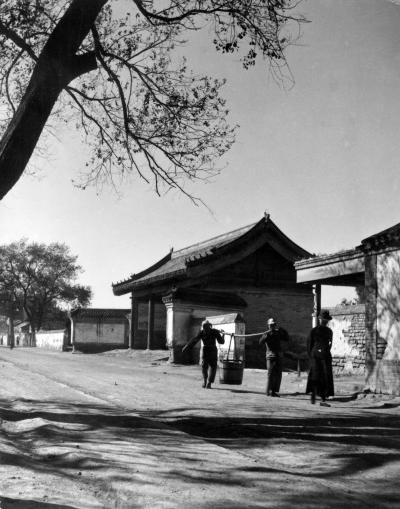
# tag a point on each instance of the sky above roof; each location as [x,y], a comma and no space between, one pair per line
[321,157]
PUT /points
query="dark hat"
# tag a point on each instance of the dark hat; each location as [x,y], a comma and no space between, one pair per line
[324,314]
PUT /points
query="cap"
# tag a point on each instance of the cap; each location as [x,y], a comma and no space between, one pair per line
[324,314]
[271,321]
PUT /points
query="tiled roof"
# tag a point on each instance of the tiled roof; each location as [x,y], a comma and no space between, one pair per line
[176,263]
[327,259]
[383,238]
[179,259]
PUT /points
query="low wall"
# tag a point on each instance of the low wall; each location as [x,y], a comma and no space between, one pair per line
[96,335]
[51,339]
[348,347]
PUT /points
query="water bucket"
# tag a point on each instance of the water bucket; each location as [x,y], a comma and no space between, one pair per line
[231,372]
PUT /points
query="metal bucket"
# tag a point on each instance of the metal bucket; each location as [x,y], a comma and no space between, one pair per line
[231,372]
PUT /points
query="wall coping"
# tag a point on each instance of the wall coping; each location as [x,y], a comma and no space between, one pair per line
[347,310]
[57,331]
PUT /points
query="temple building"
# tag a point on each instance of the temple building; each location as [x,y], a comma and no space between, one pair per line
[374,265]
[249,271]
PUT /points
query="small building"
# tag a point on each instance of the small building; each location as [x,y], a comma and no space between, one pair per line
[98,329]
[3,330]
[22,333]
[248,271]
[374,265]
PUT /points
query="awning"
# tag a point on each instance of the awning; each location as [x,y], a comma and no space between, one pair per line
[346,268]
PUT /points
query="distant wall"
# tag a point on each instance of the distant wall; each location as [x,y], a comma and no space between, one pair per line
[348,347]
[98,335]
[52,339]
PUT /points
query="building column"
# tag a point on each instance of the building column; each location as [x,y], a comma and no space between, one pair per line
[10,320]
[150,323]
[371,300]
[133,322]
[179,318]
[72,334]
[11,335]
[317,304]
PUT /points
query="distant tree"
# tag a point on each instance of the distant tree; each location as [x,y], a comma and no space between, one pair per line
[39,278]
[115,78]
[347,302]
[359,299]
[56,317]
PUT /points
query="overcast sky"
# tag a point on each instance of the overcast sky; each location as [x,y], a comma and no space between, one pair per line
[322,158]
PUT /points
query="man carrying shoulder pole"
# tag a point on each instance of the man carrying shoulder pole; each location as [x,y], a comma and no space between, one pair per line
[209,338]
[273,341]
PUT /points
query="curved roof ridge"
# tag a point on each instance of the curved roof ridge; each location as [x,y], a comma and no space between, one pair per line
[203,244]
[246,233]
[289,240]
[179,264]
[153,267]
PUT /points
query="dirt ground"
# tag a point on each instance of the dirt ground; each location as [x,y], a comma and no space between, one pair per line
[128,430]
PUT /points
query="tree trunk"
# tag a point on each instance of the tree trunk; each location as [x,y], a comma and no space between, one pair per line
[57,66]
[11,335]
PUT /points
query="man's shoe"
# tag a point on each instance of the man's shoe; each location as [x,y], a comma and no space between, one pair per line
[208,385]
[275,395]
[313,399]
[204,385]
[324,403]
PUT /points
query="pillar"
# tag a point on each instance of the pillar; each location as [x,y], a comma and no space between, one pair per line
[133,322]
[150,323]
[179,317]
[317,304]
[371,291]
[73,334]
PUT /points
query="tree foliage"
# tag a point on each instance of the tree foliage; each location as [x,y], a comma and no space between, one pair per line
[38,278]
[110,69]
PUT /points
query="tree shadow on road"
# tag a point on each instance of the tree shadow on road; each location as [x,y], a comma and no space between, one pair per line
[107,447]
[13,503]
[368,430]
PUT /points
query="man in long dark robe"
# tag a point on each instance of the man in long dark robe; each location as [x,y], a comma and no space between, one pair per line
[319,344]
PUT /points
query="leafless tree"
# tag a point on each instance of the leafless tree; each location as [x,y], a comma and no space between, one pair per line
[116,78]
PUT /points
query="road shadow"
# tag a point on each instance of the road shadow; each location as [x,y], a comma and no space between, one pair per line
[13,503]
[153,448]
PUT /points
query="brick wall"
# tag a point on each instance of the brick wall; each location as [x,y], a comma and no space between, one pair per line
[292,311]
[348,347]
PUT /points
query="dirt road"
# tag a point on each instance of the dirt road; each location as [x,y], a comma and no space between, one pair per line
[131,431]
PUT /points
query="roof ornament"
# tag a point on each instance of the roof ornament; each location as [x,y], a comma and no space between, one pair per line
[266,215]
